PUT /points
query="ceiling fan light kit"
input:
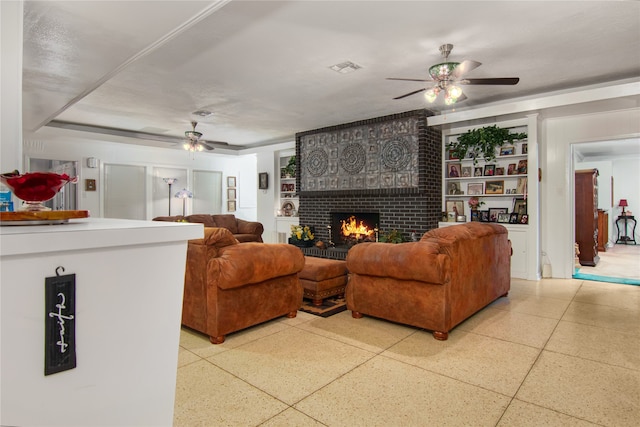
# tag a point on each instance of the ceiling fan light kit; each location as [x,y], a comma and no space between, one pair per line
[447,76]
[193,142]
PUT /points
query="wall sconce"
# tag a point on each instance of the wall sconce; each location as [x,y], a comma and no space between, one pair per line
[184,194]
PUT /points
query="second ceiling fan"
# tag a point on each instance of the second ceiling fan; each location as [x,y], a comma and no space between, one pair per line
[193,141]
[447,76]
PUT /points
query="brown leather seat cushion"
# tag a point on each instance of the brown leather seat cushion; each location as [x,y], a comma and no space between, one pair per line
[319,269]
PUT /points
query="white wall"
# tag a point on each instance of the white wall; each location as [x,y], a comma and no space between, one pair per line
[626,185]
[268,200]
[557,210]
[59,144]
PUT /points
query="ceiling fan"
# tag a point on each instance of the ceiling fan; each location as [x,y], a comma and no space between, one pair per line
[447,76]
[193,142]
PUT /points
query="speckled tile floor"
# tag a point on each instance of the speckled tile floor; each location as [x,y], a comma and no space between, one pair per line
[554,353]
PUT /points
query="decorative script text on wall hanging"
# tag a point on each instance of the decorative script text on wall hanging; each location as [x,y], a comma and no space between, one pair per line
[60,323]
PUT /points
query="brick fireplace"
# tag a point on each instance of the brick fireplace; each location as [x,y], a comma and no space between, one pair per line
[390,166]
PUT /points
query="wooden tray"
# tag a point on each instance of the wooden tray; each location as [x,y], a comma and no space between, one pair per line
[40,217]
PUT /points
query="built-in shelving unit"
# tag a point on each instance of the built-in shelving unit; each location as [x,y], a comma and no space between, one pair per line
[507,188]
[288,192]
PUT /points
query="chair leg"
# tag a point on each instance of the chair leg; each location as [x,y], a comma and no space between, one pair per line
[356,315]
[441,336]
[217,340]
[317,302]
[292,314]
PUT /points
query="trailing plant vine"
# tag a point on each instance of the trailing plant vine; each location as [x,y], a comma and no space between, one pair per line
[482,142]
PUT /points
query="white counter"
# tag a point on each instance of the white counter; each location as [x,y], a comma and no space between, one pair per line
[129,283]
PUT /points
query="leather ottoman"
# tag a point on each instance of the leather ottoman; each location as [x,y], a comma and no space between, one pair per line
[322,278]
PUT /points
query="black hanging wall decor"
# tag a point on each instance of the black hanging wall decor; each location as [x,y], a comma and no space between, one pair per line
[60,323]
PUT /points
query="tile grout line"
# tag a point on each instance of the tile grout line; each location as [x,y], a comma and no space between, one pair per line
[542,349]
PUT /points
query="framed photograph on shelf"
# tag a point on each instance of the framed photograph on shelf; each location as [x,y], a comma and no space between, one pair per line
[504,217]
[477,171]
[466,171]
[484,216]
[499,171]
[524,219]
[522,167]
[452,156]
[494,187]
[475,215]
[231,193]
[521,186]
[475,189]
[513,218]
[494,212]
[231,181]
[453,189]
[263,180]
[520,206]
[489,170]
[525,148]
[454,170]
[507,151]
[231,205]
[511,169]
[456,206]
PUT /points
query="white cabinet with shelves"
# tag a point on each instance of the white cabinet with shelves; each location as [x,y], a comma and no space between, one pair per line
[507,187]
[287,189]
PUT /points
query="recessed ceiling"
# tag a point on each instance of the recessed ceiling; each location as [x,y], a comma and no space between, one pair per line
[263,67]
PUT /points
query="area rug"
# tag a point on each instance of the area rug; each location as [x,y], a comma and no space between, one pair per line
[594,277]
[329,307]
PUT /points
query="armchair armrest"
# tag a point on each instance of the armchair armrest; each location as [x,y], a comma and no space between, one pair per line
[419,261]
[249,227]
[252,262]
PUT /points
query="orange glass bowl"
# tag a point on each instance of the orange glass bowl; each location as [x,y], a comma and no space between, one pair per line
[36,187]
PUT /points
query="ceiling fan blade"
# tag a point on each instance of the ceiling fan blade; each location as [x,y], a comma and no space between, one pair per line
[494,81]
[205,145]
[410,93]
[214,143]
[464,67]
[409,80]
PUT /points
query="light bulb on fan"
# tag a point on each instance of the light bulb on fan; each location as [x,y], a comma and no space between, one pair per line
[454,92]
[431,95]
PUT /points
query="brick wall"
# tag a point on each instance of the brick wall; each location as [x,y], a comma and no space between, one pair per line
[403,209]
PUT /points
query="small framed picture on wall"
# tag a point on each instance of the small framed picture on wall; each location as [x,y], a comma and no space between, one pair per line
[231,181]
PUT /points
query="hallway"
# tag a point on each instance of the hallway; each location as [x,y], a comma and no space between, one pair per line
[621,261]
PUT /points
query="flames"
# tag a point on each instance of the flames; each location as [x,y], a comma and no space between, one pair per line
[352,229]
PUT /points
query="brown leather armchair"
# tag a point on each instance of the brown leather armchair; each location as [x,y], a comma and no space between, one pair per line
[231,286]
[243,231]
[436,283]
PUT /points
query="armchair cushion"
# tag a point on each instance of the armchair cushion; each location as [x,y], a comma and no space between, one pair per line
[227,221]
[404,261]
[253,262]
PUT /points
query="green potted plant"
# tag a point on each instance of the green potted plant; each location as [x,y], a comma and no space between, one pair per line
[393,236]
[290,169]
[482,142]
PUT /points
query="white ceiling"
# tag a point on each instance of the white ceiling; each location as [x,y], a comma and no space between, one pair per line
[262,67]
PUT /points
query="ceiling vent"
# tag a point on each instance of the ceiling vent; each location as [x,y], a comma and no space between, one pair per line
[345,67]
[202,113]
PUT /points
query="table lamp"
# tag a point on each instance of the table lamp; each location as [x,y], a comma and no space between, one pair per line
[184,194]
[623,204]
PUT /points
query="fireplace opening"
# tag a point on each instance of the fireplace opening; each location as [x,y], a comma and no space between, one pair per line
[350,228]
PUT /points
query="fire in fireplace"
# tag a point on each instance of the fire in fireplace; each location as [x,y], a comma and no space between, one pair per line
[350,228]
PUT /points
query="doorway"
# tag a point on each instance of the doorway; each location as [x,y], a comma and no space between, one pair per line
[67,198]
[618,164]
